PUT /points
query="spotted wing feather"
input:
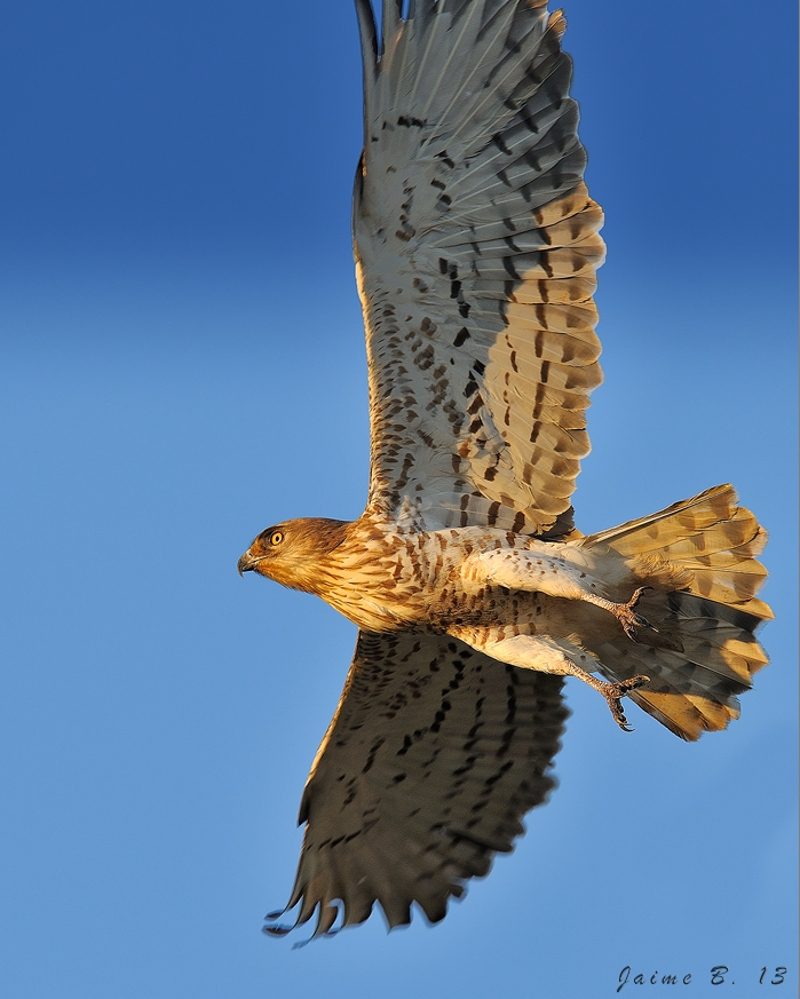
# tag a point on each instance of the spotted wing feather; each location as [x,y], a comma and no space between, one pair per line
[476,247]
[434,755]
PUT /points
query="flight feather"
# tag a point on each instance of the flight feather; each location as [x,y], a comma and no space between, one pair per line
[476,245]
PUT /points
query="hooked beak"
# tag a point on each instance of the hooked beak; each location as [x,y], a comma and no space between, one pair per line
[247,563]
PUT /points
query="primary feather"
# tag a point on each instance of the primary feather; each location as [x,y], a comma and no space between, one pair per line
[476,244]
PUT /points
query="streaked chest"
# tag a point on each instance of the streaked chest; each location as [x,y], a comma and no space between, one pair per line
[388,581]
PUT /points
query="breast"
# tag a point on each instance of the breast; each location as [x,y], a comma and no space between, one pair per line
[385,580]
[372,581]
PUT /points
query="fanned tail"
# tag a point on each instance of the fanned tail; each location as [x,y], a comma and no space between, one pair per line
[699,557]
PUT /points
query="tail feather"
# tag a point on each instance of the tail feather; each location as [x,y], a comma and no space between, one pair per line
[710,538]
[700,558]
[673,523]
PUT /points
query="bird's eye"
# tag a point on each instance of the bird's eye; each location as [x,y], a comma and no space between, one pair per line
[276,538]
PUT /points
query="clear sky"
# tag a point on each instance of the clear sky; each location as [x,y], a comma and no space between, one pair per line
[182,365]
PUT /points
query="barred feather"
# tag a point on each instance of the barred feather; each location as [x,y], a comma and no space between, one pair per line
[477,244]
[709,543]
[434,755]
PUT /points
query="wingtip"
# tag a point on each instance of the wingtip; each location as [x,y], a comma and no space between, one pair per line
[276,931]
[368,33]
[557,22]
[367,30]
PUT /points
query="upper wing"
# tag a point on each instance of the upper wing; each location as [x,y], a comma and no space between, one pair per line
[432,758]
[476,250]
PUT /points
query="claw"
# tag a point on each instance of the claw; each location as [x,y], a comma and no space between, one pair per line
[613,692]
[629,619]
[619,715]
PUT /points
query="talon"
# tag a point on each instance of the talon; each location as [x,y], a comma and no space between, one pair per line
[637,594]
[633,683]
[613,692]
[629,619]
[619,716]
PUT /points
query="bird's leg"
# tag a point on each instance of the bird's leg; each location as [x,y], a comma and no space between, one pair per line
[624,613]
[613,693]
[555,573]
[557,656]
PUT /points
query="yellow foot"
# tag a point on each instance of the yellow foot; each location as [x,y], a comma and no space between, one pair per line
[614,692]
[629,619]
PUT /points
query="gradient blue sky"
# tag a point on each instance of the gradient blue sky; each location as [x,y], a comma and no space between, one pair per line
[183,365]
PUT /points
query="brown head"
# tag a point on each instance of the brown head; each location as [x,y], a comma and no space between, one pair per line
[295,553]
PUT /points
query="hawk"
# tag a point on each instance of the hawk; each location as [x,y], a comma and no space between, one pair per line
[476,246]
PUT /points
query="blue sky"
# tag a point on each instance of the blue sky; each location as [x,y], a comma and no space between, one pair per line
[183,365]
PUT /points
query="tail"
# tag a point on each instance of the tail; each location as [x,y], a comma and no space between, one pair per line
[699,557]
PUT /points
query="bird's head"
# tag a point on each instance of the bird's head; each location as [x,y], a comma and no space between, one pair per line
[294,553]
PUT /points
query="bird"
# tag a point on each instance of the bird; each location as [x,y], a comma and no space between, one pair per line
[475,596]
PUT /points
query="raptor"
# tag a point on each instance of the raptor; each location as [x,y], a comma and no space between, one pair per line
[476,246]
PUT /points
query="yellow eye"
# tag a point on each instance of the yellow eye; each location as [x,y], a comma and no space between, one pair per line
[276,538]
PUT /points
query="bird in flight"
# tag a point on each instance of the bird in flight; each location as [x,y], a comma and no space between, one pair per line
[476,246]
